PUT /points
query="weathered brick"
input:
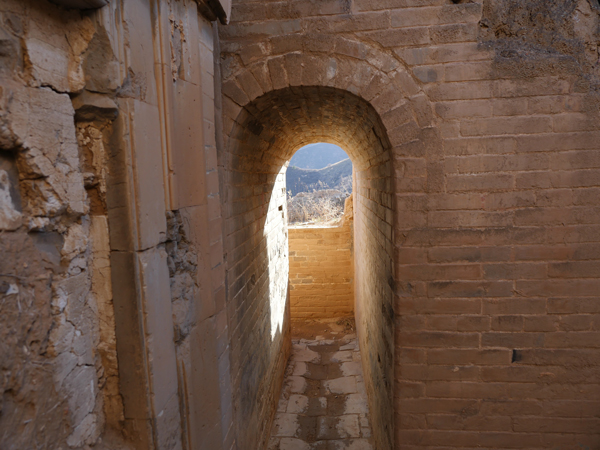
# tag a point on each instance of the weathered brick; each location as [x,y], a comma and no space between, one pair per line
[470,254]
[400,38]
[453,33]
[479,422]
[508,125]
[554,425]
[583,288]
[468,71]
[507,323]
[515,306]
[540,323]
[514,271]
[438,272]
[466,357]
[439,339]
[439,306]
[445,53]
[464,108]
[435,373]
[468,12]
[484,182]
[466,389]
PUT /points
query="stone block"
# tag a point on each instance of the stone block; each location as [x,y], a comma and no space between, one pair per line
[204,379]
[344,385]
[148,176]
[187,179]
[340,427]
[140,83]
[157,305]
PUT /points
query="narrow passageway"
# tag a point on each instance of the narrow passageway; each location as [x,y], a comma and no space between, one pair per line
[323,404]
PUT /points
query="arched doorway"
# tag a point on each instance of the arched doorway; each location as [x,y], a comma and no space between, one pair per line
[265,134]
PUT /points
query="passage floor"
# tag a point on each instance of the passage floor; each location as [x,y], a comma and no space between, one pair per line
[323,405]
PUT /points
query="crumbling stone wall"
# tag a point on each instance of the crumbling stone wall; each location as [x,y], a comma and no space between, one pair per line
[58,361]
[94,157]
[322,269]
[490,110]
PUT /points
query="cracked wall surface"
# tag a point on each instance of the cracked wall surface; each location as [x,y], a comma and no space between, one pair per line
[86,125]
[59,368]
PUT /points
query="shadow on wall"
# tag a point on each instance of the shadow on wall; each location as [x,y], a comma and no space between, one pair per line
[262,139]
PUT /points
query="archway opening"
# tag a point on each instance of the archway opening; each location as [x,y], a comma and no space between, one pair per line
[263,138]
[320,237]
[318,182]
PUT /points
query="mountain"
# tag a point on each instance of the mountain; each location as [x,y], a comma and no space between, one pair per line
[335,176]
[317,156]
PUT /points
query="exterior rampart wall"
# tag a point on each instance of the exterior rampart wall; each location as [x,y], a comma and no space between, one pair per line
[322,271]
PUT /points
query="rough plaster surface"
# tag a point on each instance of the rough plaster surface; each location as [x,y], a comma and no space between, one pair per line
[544,30]
[55,377]
[76,90]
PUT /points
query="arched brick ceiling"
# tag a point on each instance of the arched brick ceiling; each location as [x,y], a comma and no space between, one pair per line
[275,125]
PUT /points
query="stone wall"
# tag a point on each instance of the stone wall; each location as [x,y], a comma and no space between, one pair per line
[99,144]
[322,269]
[58,361]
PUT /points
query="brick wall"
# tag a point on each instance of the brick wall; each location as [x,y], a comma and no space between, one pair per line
[493,122]
[374,295]
[322,270]
[258,296]
[263,136]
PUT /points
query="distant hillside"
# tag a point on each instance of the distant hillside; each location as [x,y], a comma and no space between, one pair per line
[317,156]
[335,176]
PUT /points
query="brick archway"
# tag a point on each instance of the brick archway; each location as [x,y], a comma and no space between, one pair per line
[360,98]
[374,109]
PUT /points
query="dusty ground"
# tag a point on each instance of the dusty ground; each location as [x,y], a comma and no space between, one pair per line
[327,328]
[323,405]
